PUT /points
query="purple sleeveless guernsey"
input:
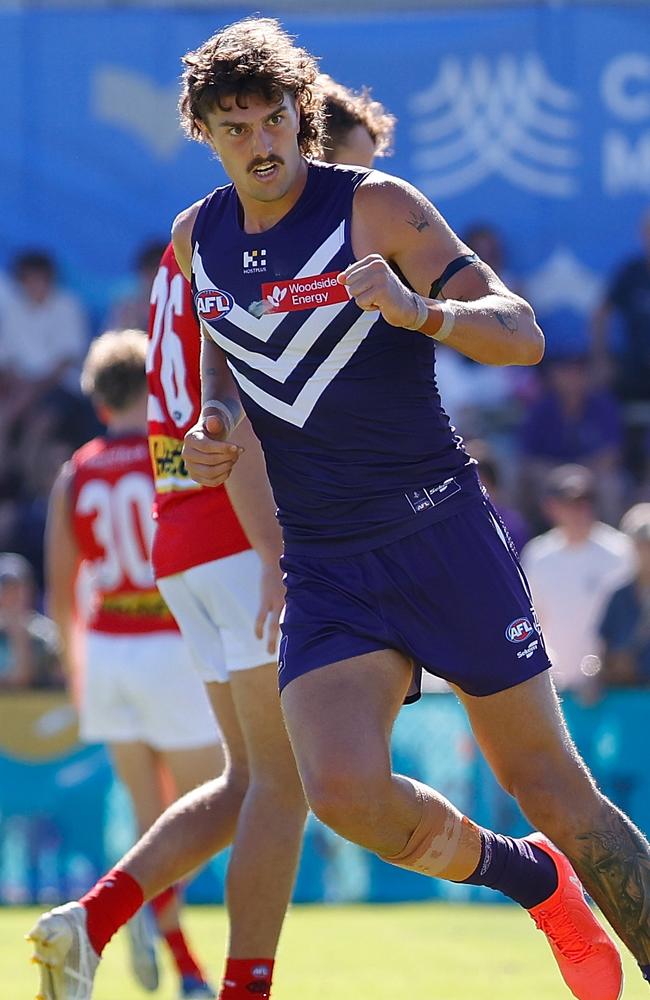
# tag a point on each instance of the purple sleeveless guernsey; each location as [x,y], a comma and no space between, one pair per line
[358,448]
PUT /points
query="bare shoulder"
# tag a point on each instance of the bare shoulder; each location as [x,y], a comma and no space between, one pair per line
[390,214]
[387,192]
[182,236]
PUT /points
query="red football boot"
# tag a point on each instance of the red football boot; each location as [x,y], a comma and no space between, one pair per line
[586,955]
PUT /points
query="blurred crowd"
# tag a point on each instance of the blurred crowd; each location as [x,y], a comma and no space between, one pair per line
[564,451]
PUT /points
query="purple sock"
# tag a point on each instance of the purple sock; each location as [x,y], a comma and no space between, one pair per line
[645,972]
[516,868]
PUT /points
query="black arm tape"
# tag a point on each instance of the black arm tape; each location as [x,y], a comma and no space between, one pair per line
[451,269]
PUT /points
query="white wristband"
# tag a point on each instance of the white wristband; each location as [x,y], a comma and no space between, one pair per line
[224,413]
[448,321]
[422,313]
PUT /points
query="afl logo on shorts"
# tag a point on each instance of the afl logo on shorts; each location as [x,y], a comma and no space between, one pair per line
[519,630]
[212,304]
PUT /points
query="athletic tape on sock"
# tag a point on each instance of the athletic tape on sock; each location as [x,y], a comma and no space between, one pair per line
[431,850]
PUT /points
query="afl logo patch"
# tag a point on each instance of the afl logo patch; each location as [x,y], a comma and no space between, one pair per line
[212,304]
[519,630]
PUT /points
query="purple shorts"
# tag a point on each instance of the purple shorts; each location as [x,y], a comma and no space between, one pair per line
[451,597]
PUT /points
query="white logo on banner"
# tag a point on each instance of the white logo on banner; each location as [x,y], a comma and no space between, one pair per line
[625,88]
[136,104]
[563,282]
[505,118]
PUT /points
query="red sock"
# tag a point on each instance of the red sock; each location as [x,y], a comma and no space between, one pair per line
[246,976]
[109,904]
[185,962]
[160,902]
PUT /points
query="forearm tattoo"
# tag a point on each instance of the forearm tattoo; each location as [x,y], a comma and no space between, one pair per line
[418,221]
[614,864]
[507,321]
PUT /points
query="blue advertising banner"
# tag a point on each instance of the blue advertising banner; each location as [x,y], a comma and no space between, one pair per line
[534,118]
[64,819]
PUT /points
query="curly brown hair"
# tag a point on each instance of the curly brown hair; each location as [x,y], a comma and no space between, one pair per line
[114,370]
[345,108]
[254,56]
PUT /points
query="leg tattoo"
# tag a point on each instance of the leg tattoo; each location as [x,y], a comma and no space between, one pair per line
[613,862]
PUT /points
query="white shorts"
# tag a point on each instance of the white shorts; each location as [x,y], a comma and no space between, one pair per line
[215,605]
[143,688]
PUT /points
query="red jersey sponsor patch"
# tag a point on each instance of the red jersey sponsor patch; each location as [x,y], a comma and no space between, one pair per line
[303,293]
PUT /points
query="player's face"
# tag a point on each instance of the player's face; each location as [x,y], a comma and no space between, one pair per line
[358,150]
[258,146]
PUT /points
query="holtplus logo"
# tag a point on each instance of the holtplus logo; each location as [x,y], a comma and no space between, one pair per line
[213,304]
[519,630]
[254,260]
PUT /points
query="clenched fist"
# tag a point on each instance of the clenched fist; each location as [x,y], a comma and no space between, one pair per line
[373,284]
[208,458]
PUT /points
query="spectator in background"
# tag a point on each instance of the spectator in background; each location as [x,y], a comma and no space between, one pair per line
[627,368]
[24,529]
[131,311]
[42,340]
[43,337]
[628,296]
[625,628]
[29,647]
[43,331]
[574,421]
[9,407]
[573,569]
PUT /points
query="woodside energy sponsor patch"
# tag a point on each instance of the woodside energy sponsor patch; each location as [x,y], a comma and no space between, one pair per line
[303,293]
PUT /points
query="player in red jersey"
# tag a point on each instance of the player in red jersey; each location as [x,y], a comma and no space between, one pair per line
[226,591]
[100,521]
[199,538]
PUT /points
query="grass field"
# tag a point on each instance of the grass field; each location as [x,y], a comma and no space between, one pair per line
[423,952]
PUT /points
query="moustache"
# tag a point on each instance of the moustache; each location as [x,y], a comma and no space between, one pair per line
[262,161]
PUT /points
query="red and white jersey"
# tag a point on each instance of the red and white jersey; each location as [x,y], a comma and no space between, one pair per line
[194,524]
[111,492]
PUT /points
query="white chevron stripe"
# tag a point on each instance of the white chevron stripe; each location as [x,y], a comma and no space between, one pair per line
[297,412]
[317,263]
[280,368]
[263,328]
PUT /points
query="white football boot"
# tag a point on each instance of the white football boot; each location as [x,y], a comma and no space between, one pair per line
[143,933]
[62,950]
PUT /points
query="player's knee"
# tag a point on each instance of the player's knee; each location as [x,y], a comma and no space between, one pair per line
[341,798]
[283,792]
